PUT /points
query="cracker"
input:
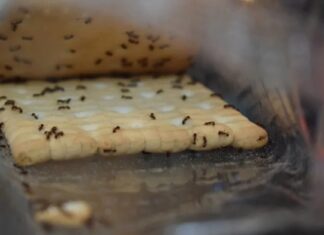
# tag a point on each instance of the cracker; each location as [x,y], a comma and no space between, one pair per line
[79,118]
[40,39]
[69,214]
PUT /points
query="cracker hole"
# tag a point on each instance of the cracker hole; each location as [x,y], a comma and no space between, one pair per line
[40,115]
[137,124]
[100,85]
[90,127]
[26,102]
[167,108]
[187,93]
[123,109]
[84,114]
[177,121]
[108,97]
[148,94]
[21,91]
[205,105]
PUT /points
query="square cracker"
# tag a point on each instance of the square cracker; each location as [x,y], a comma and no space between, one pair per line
[65,38]
[78,118]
